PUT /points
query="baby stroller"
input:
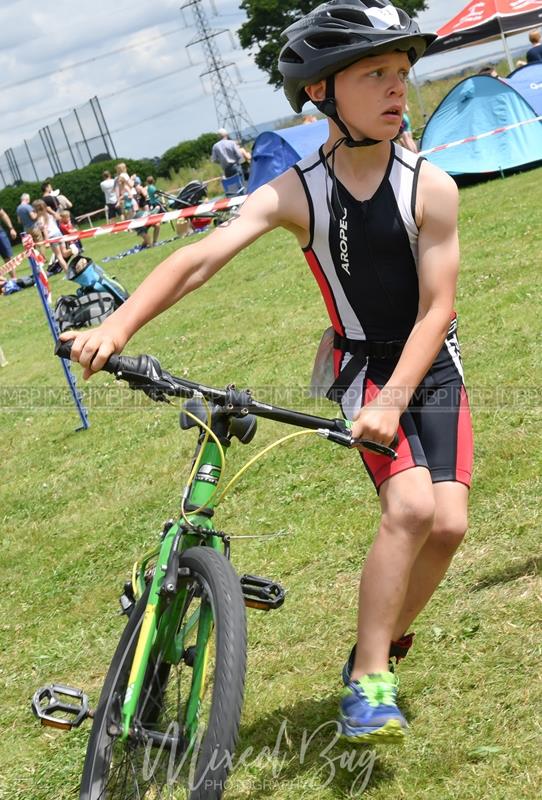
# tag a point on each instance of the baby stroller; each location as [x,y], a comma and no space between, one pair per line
[96,298]
[193,194]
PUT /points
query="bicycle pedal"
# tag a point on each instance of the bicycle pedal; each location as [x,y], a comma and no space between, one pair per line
[48,702]
[262,593]
[127,599]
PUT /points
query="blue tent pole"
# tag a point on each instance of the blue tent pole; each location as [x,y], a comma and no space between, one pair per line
[82,411]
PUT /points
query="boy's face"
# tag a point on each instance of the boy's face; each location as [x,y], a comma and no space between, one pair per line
[371,95]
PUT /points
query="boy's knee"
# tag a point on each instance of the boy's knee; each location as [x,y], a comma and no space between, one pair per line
[414,515]
[447,534]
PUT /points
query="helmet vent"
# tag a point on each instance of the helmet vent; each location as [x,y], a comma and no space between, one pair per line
[323,41]
[289,56]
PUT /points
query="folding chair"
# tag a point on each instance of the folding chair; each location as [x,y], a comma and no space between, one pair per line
[233,186]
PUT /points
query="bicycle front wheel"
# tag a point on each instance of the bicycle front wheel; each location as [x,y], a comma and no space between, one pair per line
[185,729]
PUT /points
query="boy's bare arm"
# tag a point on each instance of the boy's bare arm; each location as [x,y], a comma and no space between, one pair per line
[278,203]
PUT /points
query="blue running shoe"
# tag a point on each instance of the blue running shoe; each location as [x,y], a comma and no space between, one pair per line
[398,651]
[369,713]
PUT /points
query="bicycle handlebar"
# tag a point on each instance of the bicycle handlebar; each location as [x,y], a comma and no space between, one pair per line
[144,372]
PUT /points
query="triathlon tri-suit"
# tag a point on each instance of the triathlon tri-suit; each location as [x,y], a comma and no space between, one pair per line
[365,264]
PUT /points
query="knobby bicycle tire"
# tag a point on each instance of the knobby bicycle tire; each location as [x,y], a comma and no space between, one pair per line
[214,752]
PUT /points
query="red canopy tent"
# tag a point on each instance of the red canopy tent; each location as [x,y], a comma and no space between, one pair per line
[483,20]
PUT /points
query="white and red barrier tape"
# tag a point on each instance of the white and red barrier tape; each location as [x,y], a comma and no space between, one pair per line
[481,136]
[134,224]
[13,263]
[154,219]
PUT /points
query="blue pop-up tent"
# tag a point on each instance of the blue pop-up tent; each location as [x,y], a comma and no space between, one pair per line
[475,106]
[275,151]
[527,81]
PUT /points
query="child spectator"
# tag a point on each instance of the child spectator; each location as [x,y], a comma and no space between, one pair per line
[49,227]
[67,227]
[152,192]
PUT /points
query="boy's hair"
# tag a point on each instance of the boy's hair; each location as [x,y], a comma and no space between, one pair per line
[106,174]
[149,179]
[65,214]
[44,185]
[534,37]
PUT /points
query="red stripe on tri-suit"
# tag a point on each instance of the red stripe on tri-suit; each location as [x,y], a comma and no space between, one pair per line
[465,441]
[321,280]
[337,361]
[381,467]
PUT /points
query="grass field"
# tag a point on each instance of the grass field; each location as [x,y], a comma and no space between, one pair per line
[77,508]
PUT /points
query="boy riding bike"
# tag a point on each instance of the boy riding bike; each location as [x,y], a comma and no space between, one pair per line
[378,226]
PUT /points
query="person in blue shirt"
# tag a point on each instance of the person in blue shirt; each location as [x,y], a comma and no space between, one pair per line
[535,53]
[26,214]
[5,245]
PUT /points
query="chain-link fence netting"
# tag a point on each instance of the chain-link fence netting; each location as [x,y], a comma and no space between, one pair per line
[69,143]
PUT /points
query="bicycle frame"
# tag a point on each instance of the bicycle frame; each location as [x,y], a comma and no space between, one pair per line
[159,621]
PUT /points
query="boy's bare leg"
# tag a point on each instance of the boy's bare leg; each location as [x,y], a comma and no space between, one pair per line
[408,509]
[435,556]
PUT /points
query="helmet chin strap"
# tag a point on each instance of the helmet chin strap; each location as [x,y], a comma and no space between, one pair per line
[328,106]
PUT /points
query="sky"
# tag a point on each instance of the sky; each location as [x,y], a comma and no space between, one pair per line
[151,91]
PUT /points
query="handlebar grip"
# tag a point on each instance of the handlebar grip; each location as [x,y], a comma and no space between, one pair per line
[63,349]
[112,365]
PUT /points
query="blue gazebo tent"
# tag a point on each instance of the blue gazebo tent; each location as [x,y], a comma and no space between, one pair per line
[275,151]
[478,105]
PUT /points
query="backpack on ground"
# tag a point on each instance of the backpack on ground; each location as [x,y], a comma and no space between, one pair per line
[72,311]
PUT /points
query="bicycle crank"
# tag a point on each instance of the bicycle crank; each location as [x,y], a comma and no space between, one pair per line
[50,704]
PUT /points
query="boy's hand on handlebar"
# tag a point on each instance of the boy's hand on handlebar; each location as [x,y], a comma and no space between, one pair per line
[376,424]
[91,348]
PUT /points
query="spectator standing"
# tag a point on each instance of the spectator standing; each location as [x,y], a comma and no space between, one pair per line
[152,192]
[63,203]
[534,54]
[110,195]
[48,224]
[245,163]
[29,221]
[228,154]
[49,197]
[5,245]
[26,215]
[124,188]
[3,359]
[406,138]
[141,194]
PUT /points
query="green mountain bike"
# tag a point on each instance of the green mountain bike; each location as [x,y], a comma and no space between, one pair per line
[168,717]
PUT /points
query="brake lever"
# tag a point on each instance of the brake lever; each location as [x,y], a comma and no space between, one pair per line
[345,439]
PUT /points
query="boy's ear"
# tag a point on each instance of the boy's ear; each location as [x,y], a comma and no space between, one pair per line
[316,91]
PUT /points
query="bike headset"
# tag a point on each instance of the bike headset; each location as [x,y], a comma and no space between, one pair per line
[332,37]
